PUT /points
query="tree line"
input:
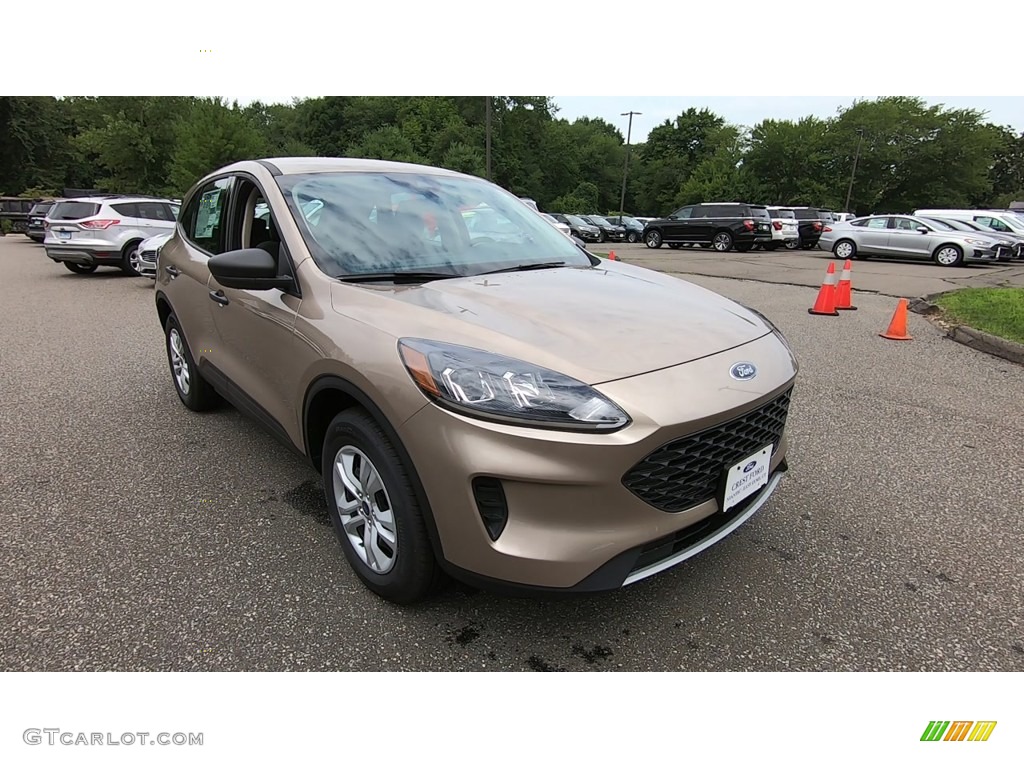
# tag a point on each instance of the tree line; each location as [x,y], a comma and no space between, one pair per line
[909,154]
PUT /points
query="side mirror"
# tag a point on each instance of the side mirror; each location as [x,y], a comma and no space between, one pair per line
[251,269]
[923,230]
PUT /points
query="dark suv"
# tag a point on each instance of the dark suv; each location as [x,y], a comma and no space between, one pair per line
[722,226]
[36,228]
[810,223]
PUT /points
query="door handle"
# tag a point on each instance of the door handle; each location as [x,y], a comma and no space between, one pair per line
[172,270]
[219,297]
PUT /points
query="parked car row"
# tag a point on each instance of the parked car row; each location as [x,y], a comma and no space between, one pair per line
[84,233]
[948,237]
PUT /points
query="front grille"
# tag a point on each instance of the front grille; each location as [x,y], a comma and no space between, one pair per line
[1018,251]
[687,471]
[1002,251]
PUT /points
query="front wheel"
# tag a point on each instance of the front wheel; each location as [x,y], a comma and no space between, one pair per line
[80,269]
[792,245]
[845,249]
[374,510]
[653,239]
[633,237]
[722,242]
[949,256]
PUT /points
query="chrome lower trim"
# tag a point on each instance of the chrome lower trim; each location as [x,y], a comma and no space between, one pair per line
[714,538]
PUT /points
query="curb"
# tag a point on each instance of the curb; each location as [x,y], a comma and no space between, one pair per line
[970,337]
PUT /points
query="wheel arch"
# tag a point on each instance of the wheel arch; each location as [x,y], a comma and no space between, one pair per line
[327,396]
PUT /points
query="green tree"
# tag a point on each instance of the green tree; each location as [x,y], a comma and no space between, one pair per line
[210,135]
[388,143]
[133,140]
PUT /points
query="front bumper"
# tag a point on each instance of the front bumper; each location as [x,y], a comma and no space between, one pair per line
[987,254]
[573,525]
[147,264]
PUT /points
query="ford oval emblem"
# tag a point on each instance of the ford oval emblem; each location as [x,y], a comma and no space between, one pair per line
[743,371]
[749,467]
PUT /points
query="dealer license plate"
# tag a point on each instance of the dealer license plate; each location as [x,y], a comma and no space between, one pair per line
[64,235]
[746,477]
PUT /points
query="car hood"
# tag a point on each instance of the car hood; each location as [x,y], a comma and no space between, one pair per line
[594,324]
[156,241]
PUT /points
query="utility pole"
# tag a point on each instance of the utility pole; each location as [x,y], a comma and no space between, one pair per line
[488,120]
[625,168]
[856,157]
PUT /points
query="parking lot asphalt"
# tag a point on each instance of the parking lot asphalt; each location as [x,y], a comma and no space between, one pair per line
[887,277]
[137,535]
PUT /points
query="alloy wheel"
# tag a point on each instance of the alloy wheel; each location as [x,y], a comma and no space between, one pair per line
[182,374]
[364,509]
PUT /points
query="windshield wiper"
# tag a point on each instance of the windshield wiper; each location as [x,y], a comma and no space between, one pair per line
[410,276]
[524,268]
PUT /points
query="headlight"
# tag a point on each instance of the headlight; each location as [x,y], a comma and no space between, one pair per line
[484,384]
[973,241]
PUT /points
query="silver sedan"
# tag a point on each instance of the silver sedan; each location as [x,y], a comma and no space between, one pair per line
[909,237]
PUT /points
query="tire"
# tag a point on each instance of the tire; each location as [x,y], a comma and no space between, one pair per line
[399,564]
[193,390]
[130,258]
[633,237]
[80,269]
[792,245]
[722,242]
[845,249]
[949,255]
[601,238]
[771,246]
[653,239]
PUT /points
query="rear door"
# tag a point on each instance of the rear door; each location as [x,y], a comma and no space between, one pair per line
[183,274]
[873,237]
[154,217]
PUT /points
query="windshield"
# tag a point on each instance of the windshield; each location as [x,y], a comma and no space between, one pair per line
[576,221]
[600,221]
[378,223]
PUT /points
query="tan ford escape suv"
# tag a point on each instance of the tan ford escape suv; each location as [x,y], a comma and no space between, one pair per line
[517,414]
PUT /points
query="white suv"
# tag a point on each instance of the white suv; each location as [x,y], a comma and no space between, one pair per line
[785,231]
[88,232]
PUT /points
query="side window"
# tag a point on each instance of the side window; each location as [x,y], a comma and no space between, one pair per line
[131,210]
[204,218]
[906,225]
[153,211]
[988,221]
[699,212]
[880,223]
[684,213]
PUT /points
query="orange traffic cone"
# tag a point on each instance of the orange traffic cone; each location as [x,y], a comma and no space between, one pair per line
[844,293]
[898,325]
[612,256]
[826,301]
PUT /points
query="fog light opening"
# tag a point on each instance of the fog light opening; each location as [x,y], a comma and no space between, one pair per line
[490,502]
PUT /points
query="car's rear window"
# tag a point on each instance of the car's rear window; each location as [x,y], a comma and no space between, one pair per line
[806,213]
[41,209]
[72,211]
[782,213]
[756,212]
